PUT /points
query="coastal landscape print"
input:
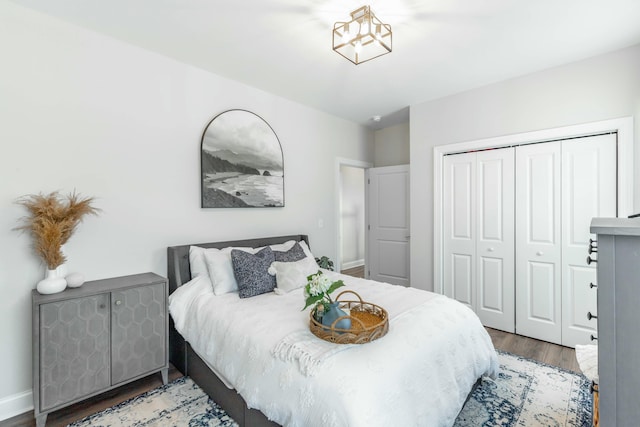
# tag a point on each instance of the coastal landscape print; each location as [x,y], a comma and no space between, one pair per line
[242,163]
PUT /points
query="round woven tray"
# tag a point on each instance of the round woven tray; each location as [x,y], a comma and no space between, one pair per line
[368,322]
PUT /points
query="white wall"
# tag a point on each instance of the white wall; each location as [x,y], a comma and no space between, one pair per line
[599,88]
[391,146]
[82,111]
[352,214]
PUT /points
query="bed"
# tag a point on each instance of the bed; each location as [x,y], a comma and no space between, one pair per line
[254,358]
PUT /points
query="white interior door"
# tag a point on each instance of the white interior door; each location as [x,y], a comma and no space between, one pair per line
[388,255]
[588,190]
[495,242]
[459,226]
[538,241]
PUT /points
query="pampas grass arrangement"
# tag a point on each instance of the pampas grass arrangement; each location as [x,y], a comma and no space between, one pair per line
[52,220]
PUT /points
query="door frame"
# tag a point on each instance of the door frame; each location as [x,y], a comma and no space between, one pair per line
[623,126]
[340,161]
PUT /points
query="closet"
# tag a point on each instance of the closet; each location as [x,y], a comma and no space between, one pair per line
[479,234]
[516,230]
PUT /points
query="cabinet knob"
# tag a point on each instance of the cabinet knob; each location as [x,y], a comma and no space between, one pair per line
[591,285]
[590,260]
[591,316]
[593,246]
[593,338]
[118,302]
[490,249]
[539,253]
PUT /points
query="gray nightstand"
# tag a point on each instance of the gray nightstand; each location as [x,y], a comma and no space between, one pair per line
[97,337]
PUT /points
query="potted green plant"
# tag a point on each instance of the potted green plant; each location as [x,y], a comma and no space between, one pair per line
[324,262]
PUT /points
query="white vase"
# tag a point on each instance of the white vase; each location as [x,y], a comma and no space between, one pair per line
[52,284]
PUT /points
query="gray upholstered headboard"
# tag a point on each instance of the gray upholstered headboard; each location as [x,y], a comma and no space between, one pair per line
[178,256]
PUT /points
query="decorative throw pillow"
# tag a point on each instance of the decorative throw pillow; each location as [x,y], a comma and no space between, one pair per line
[250,271]
[294,254]
[292,275]
[220,269]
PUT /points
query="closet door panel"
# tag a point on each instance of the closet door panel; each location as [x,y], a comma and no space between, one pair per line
[495,238]
[538,241]
[461,275]
[541,301]
[588,190]
[459,228]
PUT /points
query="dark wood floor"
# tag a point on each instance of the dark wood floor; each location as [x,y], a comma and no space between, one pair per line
[355,271]
[551,354]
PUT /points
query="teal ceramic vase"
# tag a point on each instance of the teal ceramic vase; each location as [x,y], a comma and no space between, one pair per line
[334,313]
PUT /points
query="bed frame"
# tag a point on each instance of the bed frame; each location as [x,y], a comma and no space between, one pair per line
[182,356]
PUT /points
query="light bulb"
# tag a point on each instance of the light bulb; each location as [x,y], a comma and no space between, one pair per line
[364,27]
[346,36]
[358,47]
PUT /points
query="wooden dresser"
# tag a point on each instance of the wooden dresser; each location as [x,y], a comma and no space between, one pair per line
[97,337]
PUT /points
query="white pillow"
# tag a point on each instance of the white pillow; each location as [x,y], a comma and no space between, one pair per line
[306,250]
[221,269]
[196,262]
[282,247]
[292,275]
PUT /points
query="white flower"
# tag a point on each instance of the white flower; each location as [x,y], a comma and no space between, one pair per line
[324,283]
[314,288]
[316,291]
[316,285]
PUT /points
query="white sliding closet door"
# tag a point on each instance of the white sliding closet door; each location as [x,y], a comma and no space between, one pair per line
[495,238]
[460,228]
[588,190]
[538,242]
[478,234]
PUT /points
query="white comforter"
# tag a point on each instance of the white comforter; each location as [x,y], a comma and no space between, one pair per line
[419,374]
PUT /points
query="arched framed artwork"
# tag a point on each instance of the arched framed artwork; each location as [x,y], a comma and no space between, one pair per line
[242,165]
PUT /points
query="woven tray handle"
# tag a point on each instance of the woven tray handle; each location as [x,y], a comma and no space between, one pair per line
[349,292]
[333,325]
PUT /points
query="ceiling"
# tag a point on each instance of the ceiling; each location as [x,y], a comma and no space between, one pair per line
[440,47]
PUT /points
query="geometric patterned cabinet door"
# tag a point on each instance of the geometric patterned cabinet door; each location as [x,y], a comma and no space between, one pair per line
[91,339]
[138,330]
[74,343]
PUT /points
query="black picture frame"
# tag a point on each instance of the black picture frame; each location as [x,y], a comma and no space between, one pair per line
[241,162]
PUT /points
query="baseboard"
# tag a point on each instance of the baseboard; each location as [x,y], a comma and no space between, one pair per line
[16,404]
[352,264]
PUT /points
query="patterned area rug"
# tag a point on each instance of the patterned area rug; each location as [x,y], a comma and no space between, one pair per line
[529,393]
[179,403]
[526,393]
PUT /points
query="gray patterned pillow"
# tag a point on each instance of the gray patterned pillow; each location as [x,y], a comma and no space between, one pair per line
[292,255]
[250,271]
